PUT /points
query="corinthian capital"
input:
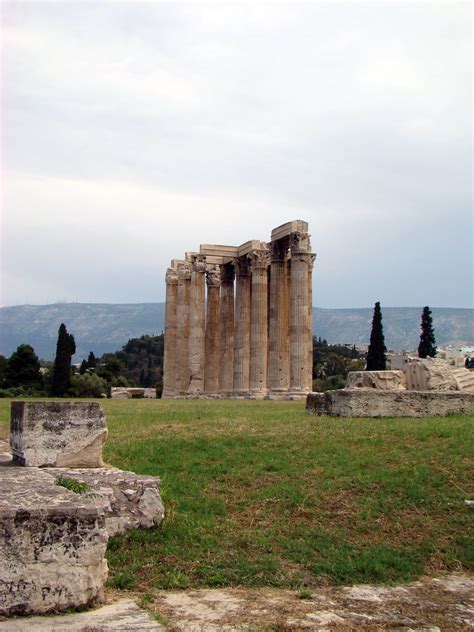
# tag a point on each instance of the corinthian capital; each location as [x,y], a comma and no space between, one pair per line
[184,270]
[242,266]
[259,259]
[213,275]
[199,263]
[299,243]
[227,273]
[279,249]
[171,276]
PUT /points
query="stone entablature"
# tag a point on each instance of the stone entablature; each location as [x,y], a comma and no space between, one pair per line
[238,319]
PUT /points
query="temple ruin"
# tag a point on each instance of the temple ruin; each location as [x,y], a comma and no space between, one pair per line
[250,335]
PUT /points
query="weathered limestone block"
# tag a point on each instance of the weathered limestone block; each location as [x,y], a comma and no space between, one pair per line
[124,392]
[52,544]
[464,379]
[132,501]
[430,374]
[362,402]
[383,380]
[120,393]
[57,434]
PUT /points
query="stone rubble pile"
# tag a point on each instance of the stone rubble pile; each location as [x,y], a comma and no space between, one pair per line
[424,387]
[53,540]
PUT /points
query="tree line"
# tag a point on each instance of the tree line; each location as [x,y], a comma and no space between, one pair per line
[140,363]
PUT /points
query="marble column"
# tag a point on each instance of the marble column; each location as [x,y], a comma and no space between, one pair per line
[279,315]
[169,360]
[211,369]
[309,371]
[260,260]
[242,327]
[182,328]
[226,374]
[197,325]
[300,324]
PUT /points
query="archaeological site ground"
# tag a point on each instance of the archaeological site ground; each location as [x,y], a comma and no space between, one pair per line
[265,502]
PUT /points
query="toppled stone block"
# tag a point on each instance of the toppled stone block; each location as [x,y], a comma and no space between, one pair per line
[364,402]
[52,544]
[122,392]
[383,380]
[430,374]
[57,434]
[132,501]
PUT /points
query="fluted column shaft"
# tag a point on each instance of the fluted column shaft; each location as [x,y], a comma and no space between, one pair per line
[169,360]
[226,375]
[182,328]
[242,327]
[300,326]
[211,369]
[278,335]
[309,371]
[197,326]
[259,322]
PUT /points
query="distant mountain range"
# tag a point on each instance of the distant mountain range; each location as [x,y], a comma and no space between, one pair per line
[102,327]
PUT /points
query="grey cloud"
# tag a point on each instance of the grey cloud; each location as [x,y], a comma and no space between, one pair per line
[355,117]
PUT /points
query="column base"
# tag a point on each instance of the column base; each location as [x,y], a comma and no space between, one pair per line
[296,395]
[257,394]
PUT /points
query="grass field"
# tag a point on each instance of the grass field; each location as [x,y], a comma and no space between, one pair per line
[262,494]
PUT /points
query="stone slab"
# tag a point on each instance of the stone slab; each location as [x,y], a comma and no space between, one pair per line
[131,500]
[57,434]
[295,226]
[52,544]
[364,402]
[383,380]
[122,615]
[123,392]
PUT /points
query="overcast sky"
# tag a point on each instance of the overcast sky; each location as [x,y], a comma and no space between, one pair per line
[134,131]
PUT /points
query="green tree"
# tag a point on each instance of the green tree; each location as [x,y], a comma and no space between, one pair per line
[376,360]
[83,368]
[87,385]
[23,368]
[427,346]
[91,361]
[3,366]
[65,349]
[110,368]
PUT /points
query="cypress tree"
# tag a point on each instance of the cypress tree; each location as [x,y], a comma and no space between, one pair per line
[427,346]
[83,368]
[91,361]
[65,349]
[376,360]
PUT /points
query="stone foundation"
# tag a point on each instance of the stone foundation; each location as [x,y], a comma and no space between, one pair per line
[52,544]
[364,402]
[57,434]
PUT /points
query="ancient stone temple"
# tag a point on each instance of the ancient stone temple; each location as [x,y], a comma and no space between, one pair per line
[250,333]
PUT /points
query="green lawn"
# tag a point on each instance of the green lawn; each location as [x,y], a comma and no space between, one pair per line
[262,494]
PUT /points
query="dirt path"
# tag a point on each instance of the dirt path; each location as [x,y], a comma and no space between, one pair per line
[445,603]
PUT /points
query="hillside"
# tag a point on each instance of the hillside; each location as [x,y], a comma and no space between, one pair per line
[101,327]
